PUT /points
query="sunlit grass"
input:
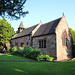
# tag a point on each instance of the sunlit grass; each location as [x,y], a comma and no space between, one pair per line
[18,70]
[12,57]
[36,68]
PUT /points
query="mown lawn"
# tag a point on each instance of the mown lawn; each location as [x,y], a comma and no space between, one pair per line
[37,68]
[12,57]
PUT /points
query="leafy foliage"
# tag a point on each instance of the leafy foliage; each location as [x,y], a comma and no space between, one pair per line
[8,50]
[73,35]
[6,32]
[26,52]
[14,50]
[12,8]
[32,53]
[35,53]
[44,58]
[21,51]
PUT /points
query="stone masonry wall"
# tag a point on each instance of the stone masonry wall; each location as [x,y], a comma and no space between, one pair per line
[50,44]
[63,52]
[20,40]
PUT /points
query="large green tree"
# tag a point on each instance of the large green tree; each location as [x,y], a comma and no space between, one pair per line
[6,32]
[12,8]
[72,34]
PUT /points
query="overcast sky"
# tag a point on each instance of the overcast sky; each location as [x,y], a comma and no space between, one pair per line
[46,10]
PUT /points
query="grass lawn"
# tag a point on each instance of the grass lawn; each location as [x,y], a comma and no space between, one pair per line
[37,68]
[12,57]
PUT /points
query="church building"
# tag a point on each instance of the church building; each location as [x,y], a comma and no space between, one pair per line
[52,38]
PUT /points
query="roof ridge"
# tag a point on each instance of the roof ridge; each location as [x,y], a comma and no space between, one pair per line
[55,24]
[30,27]
[45,28]
[50,22]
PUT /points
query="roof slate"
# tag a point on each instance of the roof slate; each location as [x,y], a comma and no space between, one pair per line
[24,32]
[46,28]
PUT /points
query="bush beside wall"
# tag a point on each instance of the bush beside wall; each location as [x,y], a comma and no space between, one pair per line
[26,52]
[30,53]
[44,58]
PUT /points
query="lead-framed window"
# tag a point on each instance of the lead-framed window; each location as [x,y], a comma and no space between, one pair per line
[22,44]
[42,43]
[64,39]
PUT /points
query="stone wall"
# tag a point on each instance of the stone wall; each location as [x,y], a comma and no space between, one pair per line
[20,40]
[50,44]
[63,52]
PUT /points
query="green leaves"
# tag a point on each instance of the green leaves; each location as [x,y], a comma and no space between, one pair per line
[12,8]
[72,34]
[6,31]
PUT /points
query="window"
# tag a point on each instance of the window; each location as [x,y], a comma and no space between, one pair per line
[66,42]
[42,43]
[39,44]
[22,44]
[16,44]
[27,43]
[64,39]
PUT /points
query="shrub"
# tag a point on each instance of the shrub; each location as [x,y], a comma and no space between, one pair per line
[1,48]
[21,48]
[8,49]
[31,53]
[21,51]
[44,58]
[27,52]
[35,53]
[14,50]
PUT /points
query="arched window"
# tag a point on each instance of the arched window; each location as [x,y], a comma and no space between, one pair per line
[64,38]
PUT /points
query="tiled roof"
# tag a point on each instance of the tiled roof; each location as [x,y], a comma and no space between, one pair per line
[24,32]
[47,28]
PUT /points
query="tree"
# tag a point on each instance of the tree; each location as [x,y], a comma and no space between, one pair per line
[73,35]
[6,32]
[12,9]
